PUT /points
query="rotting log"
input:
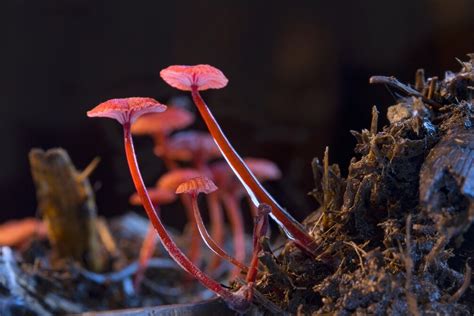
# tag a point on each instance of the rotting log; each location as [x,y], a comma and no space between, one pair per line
[66,202]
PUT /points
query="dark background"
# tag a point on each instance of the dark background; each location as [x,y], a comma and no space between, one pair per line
[298,75]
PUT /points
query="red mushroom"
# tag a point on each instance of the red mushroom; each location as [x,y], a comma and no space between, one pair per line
[203,77]
[16,233]
[126,111]
[199,147]
[160,125]
[170,181]
[195,146]
[231,193]
[205,185]
[158,197]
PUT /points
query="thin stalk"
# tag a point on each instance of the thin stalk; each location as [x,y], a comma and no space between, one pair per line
[259,230]
[162,139]
[216,218]
[208,239]
[257,192]
[236,224]
[236,302]
[195,247]
[146,252]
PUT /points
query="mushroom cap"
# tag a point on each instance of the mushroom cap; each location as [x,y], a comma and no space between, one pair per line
[126,110]
[222,174]
[172,179]
[263,169]
[173,118]
[184,146]
[202,77]
[197,185]
[158,196]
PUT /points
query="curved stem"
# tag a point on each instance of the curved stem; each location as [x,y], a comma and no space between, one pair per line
[236,302]
[217,225]
[208,239]
[257,192]
[236,224]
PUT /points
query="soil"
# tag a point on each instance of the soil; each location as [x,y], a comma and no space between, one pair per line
[395,236]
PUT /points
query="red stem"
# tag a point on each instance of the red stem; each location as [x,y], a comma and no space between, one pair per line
[216,218]
[259,229]
[236,302]
[146,252]
[194,252]
[162,139]
[257,192]
[236,224]
[208,239]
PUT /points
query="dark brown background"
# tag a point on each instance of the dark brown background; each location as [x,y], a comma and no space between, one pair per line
[298,75]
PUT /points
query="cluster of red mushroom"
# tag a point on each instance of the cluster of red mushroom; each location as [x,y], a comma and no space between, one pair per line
[148,116]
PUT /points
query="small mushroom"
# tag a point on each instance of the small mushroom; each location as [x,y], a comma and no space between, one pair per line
[160,125]
[199,147]
[203,77]
[126,111]
[195,146]
[170,181]
[231,193]
[16,233]
[205,185]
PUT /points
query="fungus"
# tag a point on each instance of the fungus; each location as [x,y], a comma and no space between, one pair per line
[126,111]
[160,125]
[205,185]
[196,146]
[199,147]
[231,193]
[170,181]
[158,197]
[18,232]
[202,77]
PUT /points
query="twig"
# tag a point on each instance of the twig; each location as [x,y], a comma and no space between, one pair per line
[358,250]
[393,82]
[465,285]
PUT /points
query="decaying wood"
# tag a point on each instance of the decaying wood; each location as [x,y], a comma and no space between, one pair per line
[66,202]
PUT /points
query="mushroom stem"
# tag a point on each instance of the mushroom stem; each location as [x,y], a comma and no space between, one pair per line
[217,232]
[195,244]
[256,191]
[259,230]
[146,252]
[208,239]
[162,139]
[234,301]
[236,224]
